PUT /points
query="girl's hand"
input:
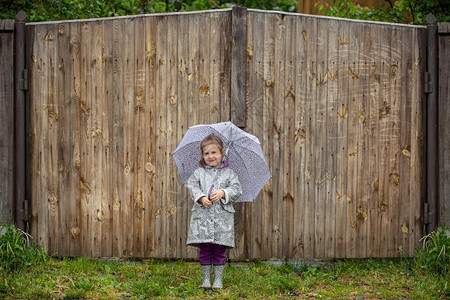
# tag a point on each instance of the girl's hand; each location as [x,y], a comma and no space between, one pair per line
[206,203]
[217,195]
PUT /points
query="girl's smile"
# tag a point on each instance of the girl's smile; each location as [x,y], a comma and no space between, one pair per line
[212,155]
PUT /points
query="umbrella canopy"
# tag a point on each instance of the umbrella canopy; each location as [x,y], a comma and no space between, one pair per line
[243,154]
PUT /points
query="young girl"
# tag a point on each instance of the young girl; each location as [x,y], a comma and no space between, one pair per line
[213,187]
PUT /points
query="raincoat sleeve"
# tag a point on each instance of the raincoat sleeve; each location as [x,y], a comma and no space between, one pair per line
[233,189]
[194,186]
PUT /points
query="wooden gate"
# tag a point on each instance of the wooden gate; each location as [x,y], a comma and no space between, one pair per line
[337,105]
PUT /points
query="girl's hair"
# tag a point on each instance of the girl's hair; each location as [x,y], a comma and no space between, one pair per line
[209,139]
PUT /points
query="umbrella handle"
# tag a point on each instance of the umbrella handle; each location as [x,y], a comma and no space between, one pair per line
[210,190]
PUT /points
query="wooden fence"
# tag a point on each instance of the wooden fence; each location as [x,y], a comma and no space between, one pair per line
[337,105]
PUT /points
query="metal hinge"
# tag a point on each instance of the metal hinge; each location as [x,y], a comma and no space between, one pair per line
[24,212]
[23,84]
[427,88]
[427,215]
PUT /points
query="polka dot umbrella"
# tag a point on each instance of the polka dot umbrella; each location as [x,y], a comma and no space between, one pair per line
[243,154]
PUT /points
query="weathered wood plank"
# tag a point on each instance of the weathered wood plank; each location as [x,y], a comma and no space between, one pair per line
[365,136]
[116,37]
[161,140]
[183,199]
[289,124]
[60,118]
[354,74]
[139,195]
[238,57]
[342,219]
[6,123]
[95,131]
[394,147]
[255,108]
[151,131]
[404,72]
[320,96]
[278,42]
[330,83]
[193,90]
[308,33]
[128,165]
[384,138]
[417,131]
[51,125]
[172,128]
[224,33]
[443,127]
[370,121]
[268,77]
[6,25]
[301,120]
[215,66]
[75,114]
[107,150]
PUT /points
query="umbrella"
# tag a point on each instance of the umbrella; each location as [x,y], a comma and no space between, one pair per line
[243,154]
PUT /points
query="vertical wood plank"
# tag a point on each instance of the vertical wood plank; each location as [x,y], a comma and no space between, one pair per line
[394,156]
[331,84]
[151,130]
[342,222]
[289,126]
[128,166]
[75,114]
[61,116]
[404,71]
[310,159]
[139,194]
[238,57]
[172,126]
[269,94]
[49,111]
[371,123]
[118,139]
[161,140]
[39,222]
[7,121]
[193,88]
[301,119]
[353,136]
[384,104]
[364,136]
[443,125]
[224,33]
[95,134]
[183,200]
[254,124]
[320,96]
[106,148]
[417,186]
[278,79]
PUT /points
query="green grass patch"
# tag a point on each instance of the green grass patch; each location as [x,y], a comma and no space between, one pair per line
[353,278]
[40,276]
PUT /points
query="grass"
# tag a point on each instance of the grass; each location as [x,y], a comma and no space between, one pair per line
[27,272]
[348,279]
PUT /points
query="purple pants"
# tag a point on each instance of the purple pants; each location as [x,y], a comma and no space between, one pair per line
[211,253]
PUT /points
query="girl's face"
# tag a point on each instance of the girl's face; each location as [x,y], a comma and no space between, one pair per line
[212,155]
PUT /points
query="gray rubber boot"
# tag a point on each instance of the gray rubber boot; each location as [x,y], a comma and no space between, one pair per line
[218,275]
[206,272]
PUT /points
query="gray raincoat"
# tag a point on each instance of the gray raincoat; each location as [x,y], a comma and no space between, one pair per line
[216,223]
